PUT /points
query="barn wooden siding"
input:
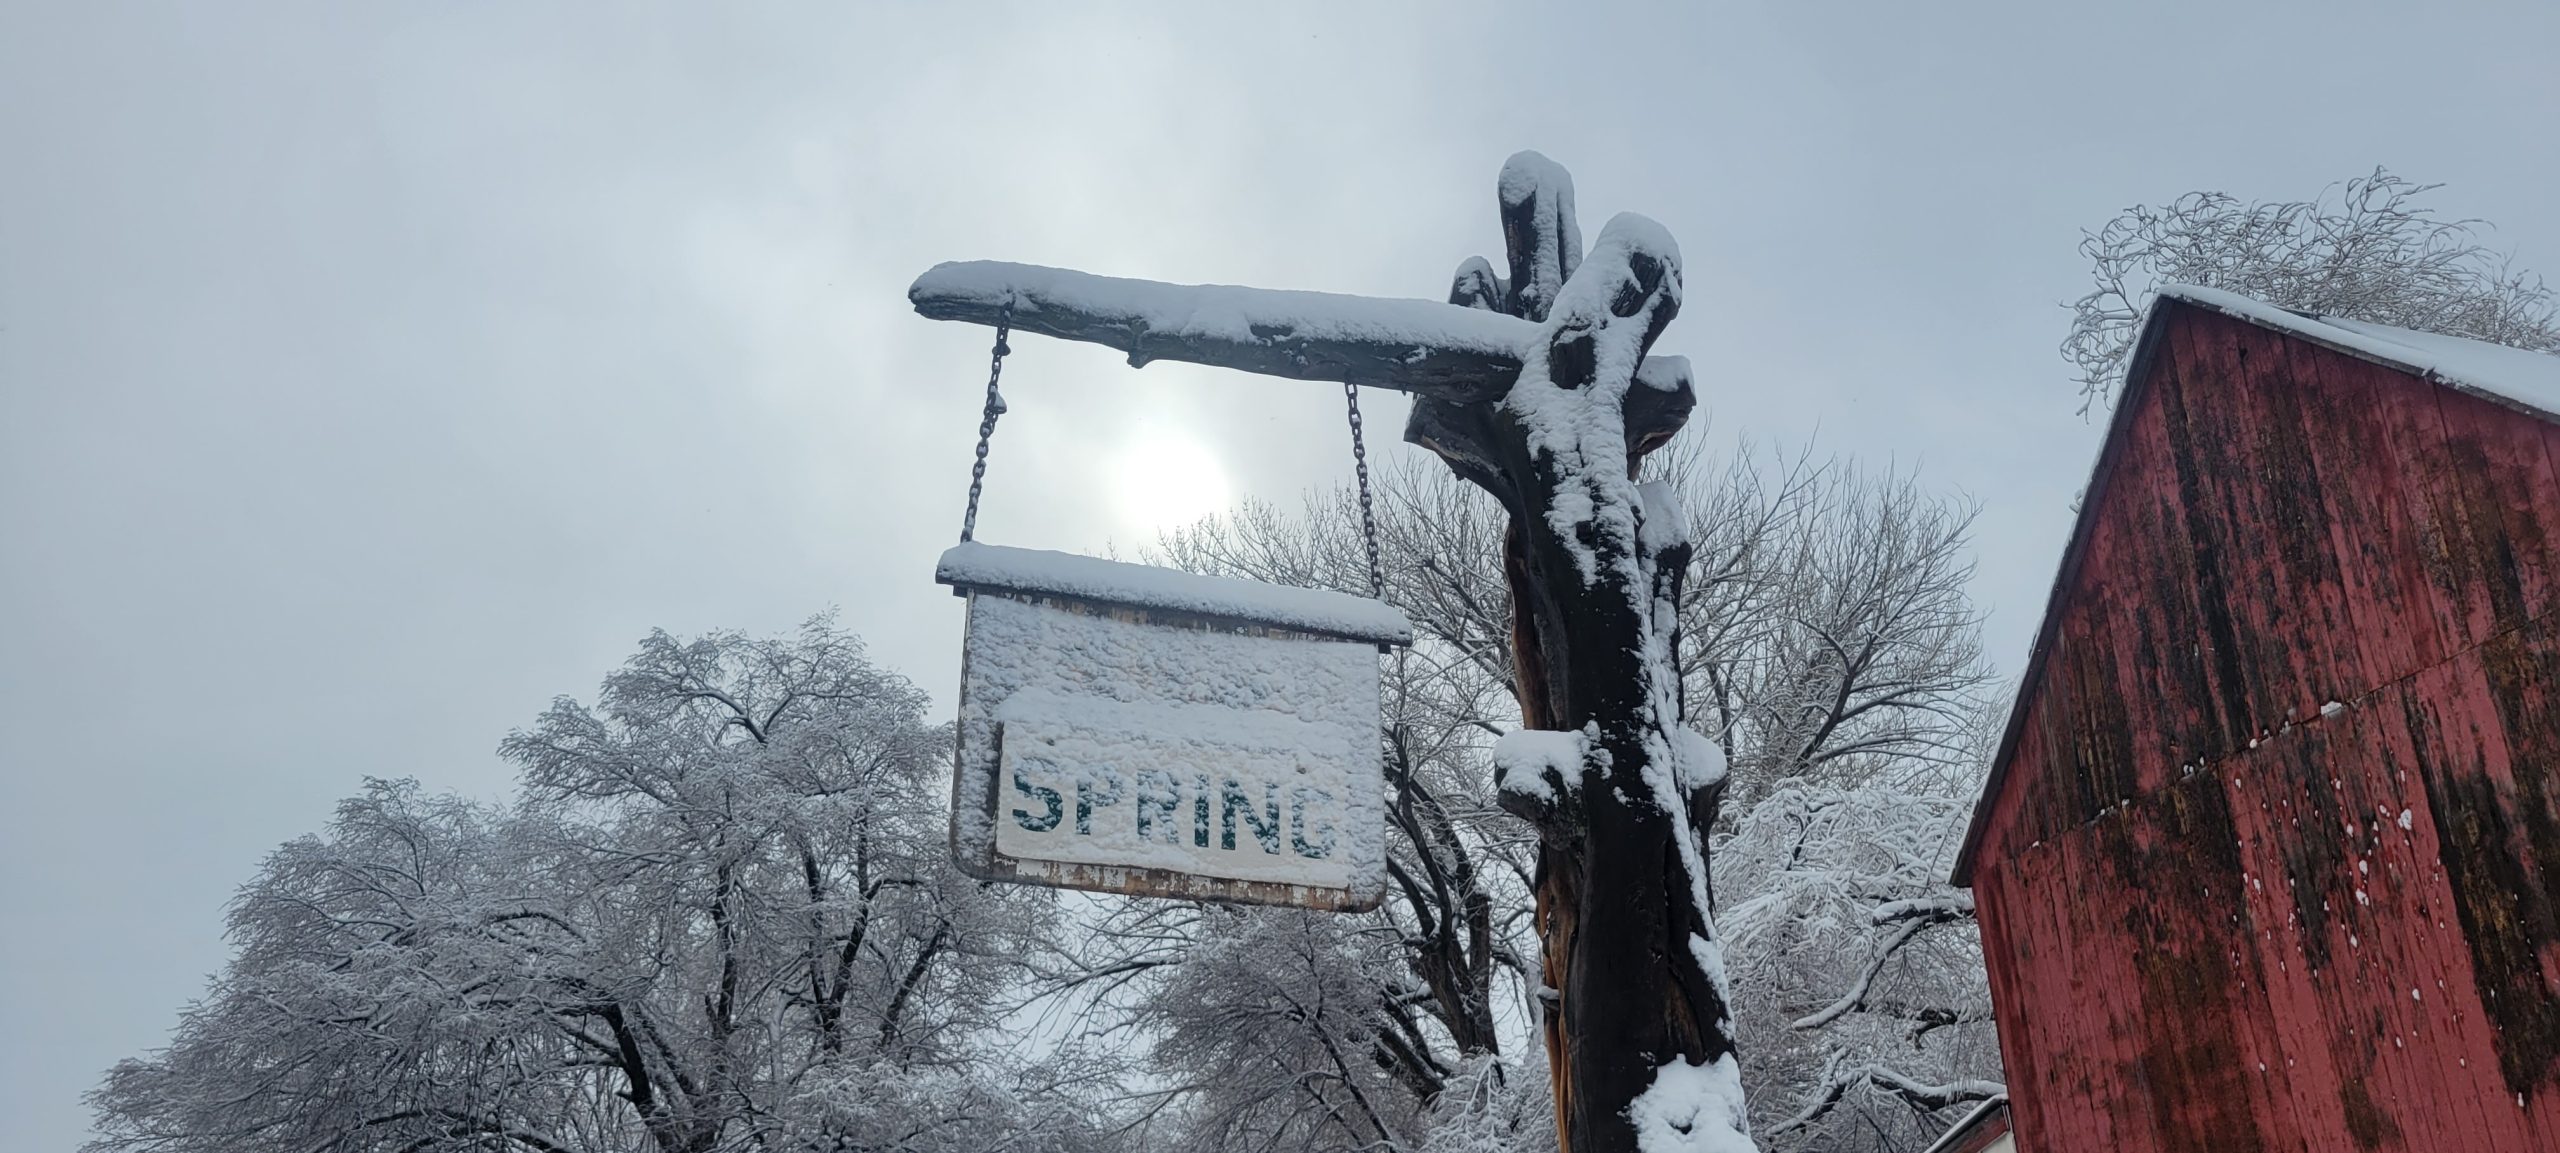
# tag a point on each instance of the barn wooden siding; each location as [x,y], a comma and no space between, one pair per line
[2209,925]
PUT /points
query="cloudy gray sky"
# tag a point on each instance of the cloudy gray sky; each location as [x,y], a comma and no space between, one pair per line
[371,373]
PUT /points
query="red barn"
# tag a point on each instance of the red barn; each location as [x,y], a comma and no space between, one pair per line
[2267,856]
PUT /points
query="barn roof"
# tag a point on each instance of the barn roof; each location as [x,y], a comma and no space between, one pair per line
[2514,377]
[1977,1129]
[2528,382]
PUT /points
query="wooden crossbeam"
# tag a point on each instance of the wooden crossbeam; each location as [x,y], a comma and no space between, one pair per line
[1445,351]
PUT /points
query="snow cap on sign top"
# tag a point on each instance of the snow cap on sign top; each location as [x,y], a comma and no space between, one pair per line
[975,565]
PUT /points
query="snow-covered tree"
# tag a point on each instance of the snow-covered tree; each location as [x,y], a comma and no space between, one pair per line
[2370,249]
[1872,1018]
[1272,1024]
[722,917]
[1832,650]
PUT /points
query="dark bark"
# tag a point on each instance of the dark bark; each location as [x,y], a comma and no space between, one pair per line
[894,1018]
[1613,899]
[1451,948]
[1613,907]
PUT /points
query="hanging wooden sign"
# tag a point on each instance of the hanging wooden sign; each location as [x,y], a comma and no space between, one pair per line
[1139,730]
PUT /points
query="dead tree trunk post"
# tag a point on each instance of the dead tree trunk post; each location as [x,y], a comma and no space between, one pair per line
[1537,389]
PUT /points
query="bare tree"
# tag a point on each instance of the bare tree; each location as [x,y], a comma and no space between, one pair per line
[1827,627]
[1487,1108]
[2369,250]
[1453,859]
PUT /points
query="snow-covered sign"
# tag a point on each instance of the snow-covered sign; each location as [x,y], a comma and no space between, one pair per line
[1139,730]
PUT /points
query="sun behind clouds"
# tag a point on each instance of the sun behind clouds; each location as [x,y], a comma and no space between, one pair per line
[1162,479]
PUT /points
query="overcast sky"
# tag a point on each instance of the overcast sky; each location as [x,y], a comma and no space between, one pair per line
[371,373]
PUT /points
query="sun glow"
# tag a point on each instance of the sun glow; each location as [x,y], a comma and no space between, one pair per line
[1163,480]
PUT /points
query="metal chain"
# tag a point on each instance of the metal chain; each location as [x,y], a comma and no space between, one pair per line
[1368,509]
[987,424]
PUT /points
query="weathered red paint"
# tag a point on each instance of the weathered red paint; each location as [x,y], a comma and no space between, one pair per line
[2206,924]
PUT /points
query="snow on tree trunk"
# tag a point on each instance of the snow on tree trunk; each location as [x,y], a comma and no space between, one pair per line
[1639,1032]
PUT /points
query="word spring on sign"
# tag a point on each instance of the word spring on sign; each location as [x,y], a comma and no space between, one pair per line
[1170,788]
[1150,806]
[1146,744]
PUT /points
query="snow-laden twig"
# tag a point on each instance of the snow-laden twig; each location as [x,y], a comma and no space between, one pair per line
[1933,1097]
[1838,1078]
[2369,250]
[1913,924]
[1943,907]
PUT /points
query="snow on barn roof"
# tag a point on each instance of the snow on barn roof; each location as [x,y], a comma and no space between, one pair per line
[2528,382]
[974,565]
[1992,1115]
[2514,377]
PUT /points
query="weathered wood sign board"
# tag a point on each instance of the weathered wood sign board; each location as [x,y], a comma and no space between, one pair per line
[1137,730]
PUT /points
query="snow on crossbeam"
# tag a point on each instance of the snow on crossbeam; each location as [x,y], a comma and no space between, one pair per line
[1421,346]
[995,567]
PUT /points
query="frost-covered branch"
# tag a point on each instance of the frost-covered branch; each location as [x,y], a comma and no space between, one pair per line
[1912,926]
[1943,907]
[1930,1098]
[1923,1097]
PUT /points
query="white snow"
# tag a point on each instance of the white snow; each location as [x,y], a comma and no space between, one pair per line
[2406,820]
[1583,430]
[1524,176]
[1090,743]
[2512,376]
[976,565]
[1663,524]
[1665,373]
[1222,311]
[1700,763]
[1522,759]
[2331,710]
[1957,902]
[1692,1109]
